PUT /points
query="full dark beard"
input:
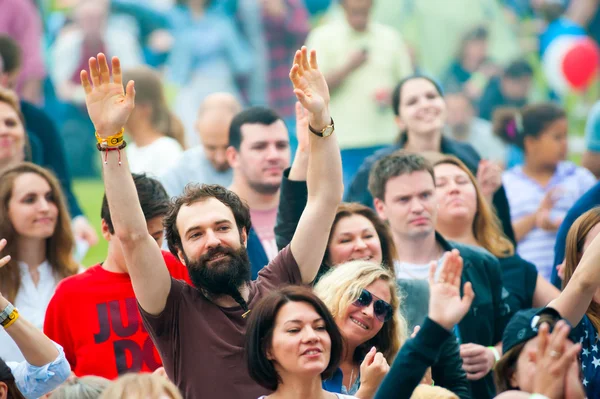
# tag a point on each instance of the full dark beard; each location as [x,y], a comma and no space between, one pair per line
[222,276]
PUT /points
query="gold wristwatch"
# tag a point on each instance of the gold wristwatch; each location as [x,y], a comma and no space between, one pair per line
[326,132]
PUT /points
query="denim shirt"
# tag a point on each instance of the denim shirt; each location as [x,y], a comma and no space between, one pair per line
[335,384]
[34,381]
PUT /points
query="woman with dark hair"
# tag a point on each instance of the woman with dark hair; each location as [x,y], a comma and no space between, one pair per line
[35,223]
[465,216]
[421,117]
[8,387]
[358,233]
[292,344]
[541,191]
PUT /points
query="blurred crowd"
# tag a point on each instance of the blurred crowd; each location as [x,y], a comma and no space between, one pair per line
[303,199]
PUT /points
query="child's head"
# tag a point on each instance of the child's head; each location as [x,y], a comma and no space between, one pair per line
[539,129]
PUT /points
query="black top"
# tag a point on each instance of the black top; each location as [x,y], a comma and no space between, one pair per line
[415,356]
[359,192]
[487,317]
[48,151]
[520,279]
[447,371]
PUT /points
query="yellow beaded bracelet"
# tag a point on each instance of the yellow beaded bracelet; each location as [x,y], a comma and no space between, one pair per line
[12,317]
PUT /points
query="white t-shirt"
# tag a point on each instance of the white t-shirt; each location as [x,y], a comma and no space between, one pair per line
[32,303]
[154,159]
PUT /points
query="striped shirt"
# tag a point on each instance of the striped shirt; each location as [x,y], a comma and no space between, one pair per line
[524,197]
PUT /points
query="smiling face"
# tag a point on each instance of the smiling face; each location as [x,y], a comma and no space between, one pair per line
[32,208]
[456,196]
[422,109]
[213,248]
[301,344]
[359,324]
[263,155]
[354,237]
[12,135]
[410,205]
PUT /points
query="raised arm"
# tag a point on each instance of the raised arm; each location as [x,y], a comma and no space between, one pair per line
[574,301]
[324,178]
[109,108]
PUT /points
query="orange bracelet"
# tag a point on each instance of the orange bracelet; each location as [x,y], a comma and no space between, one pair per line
[111,141]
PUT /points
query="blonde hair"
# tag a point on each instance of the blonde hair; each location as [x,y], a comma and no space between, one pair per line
[141,386]
[431,392]
[487,228]
[341,286]
[88,387]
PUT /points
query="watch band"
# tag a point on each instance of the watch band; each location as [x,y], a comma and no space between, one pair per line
[6,312]
[320,133]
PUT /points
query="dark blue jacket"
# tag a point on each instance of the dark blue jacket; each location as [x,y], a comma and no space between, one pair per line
[256,254]
[359,192]
[589,200]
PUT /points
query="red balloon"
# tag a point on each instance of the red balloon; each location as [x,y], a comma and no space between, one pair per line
[580,63]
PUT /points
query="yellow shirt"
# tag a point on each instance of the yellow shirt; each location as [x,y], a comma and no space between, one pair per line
[360,120]
[434,28]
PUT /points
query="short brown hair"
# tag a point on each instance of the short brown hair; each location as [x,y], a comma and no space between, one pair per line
[388,249]
[393,165]
[259,334]
[199,192]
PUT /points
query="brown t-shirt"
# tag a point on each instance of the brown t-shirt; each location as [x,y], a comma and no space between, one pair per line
[202,344]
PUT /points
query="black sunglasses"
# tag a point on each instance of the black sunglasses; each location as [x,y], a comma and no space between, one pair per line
[383,310]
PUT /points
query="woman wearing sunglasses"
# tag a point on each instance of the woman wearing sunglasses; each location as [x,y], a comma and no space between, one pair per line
[357,233]
[362,298]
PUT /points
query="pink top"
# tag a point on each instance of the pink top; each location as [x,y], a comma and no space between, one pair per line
[264,225]
[21,21]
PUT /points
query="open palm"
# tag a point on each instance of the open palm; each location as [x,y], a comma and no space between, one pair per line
[309,83]
[109,106]
[446,307]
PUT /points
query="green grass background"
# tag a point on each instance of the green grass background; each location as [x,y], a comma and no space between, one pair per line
[89,193]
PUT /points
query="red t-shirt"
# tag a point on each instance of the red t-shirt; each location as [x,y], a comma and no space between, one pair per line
[95,318]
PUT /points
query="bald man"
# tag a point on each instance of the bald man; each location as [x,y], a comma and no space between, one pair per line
[206,163]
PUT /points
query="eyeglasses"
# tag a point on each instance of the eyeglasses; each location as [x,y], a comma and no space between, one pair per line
[383,310]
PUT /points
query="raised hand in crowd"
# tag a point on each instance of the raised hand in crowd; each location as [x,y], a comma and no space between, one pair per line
[542,216]
[446,307]
[557,369]
[489,176]
[446,310]
[299,167]
[373,370]
[83,230]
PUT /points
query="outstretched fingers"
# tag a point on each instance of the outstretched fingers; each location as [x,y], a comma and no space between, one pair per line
[468,295]
[85,81]
[130,93]
[432,268]
[6,259]
[313,59]
[304,59]
[116,71]
[103,67]
[94,71]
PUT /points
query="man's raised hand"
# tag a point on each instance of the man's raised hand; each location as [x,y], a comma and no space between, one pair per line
[311,88]
[108,105]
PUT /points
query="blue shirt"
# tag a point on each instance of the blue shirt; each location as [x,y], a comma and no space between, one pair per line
[588,201]
[336,384]
[586,334]
[34,382]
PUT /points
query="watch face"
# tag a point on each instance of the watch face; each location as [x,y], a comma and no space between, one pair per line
[327,131]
